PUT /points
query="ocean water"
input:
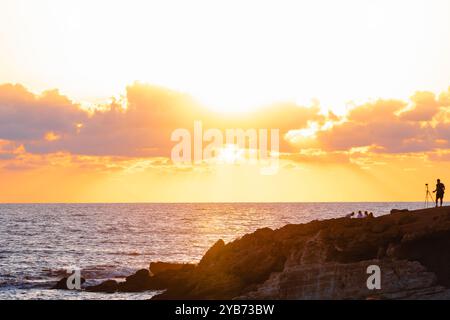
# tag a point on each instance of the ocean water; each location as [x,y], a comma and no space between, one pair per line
[39,242]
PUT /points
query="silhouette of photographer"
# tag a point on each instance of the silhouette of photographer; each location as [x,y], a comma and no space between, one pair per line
[440,190]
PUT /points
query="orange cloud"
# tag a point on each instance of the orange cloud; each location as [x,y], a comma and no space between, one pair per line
[51,123]
[425,107]
[390,126]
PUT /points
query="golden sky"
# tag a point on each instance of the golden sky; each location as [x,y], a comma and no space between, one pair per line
[90,92]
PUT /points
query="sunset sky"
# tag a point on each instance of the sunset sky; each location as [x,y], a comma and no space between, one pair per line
[90,92]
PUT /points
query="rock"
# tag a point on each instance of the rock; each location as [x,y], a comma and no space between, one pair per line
[405,219]
[399,210]
[318,260]
[345,281]
[109,286]
[381,253]
[212,253]
[323,260]
[140,275]
[430,249]
[158,267]
[62,284]
[170,278]
[380,227]
[223,272]
[140,281]
[392,250]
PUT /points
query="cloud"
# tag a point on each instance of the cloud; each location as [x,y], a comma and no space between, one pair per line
[28,117]
[439,155]
[143,129]
[10,150]
[317,157]
[425,107]
[389,126]
[52,123]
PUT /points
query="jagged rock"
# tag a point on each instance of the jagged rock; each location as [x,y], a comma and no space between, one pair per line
[143,281]
[211,254]
[317,260]
[392,250]
[224,270]
[345,281]
[158,267]
[399,210]
[109,286]
[140,281]
[380,227]
[381,253]
[405,219]
[327,260]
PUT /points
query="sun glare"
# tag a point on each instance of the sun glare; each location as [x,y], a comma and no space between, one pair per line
[230,154]
[212,51]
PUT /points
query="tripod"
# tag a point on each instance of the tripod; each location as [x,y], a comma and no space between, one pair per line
[428,196]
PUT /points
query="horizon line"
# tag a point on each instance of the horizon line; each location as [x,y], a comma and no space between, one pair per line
[209,202]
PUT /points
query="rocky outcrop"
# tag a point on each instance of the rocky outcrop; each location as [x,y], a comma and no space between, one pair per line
[158,267]
[109,286]
[400,279]
[140,281]
[328,260]
[160,276]
[318,260]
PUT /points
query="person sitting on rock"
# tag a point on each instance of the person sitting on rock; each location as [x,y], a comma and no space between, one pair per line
[350,215]
[366,214]
[440,190]
[360,215]
[371,214]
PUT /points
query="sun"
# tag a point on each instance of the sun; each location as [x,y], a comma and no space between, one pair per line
[231,154]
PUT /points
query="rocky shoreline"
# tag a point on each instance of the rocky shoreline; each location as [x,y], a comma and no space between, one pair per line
[317,260]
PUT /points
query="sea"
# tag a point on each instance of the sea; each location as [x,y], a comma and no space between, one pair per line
[41,243]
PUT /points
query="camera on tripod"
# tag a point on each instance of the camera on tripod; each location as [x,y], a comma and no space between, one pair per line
[428,196]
